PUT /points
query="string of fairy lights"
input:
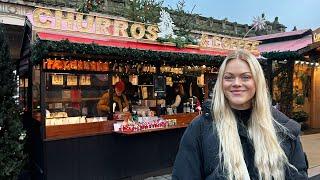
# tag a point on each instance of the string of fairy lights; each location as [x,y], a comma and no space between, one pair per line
[307,63]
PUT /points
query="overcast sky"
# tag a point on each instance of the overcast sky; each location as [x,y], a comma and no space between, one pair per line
[304,14]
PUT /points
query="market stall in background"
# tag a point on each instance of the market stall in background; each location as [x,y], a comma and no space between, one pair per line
[293,60]
[99,93]
[309,81]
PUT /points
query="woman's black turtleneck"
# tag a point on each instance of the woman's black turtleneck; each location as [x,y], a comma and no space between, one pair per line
[242,116]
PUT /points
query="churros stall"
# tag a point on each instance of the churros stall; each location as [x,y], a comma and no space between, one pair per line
[70,60]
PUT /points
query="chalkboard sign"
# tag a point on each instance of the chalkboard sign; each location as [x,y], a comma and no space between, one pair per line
[159,83]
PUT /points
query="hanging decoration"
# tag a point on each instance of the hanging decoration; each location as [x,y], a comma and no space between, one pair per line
[259,23]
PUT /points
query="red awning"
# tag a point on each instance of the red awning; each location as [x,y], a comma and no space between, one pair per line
[134,44]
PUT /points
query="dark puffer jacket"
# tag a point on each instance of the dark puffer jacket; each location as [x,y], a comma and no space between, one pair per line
[199,147]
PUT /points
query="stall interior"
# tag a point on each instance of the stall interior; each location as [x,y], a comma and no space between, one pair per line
[82,91]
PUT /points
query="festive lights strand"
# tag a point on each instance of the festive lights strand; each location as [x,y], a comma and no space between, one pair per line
[307,63]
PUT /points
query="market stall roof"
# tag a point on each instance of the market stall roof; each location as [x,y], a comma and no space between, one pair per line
[301,32]
[291,45]
[311,47]
[285,41]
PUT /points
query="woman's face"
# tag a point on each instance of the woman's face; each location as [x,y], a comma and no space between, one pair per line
[238,84]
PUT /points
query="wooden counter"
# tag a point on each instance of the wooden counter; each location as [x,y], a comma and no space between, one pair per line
[106,127]
[78,130]
[182,118]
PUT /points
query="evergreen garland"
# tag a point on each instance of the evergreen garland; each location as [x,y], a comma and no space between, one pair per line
[286,55]
[146,11]
[11,131]
[42,49]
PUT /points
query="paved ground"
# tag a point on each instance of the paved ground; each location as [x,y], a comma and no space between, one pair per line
[311,145]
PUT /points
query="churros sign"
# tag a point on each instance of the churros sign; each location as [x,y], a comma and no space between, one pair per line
[86,23]
[107,26]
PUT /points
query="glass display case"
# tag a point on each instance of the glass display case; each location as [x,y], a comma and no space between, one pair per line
[72,98]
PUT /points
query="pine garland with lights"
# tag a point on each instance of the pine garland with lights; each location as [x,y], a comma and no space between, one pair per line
[41,49]
[12,134]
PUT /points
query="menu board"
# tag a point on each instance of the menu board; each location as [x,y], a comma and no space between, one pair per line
[159,84]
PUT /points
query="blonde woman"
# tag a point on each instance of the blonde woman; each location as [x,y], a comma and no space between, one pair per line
[240,135]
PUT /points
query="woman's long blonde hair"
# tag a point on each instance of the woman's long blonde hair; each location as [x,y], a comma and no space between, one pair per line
[269,158]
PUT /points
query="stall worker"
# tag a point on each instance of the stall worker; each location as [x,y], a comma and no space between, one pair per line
[179,98]
[119,100]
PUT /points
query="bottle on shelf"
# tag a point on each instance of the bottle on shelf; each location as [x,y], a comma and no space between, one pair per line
[135,116]
[184,107]
[187,107]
